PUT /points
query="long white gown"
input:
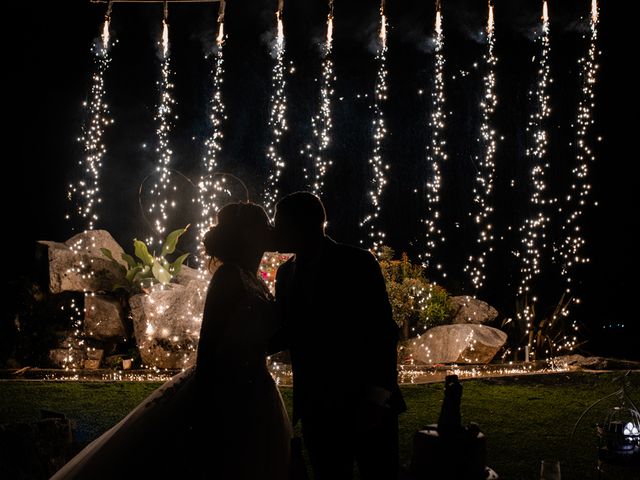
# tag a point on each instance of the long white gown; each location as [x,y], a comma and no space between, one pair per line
[223,419]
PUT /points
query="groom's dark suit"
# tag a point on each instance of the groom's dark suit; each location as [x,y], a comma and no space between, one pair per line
[338,326]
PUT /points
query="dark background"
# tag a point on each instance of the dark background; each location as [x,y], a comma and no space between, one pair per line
[47,49]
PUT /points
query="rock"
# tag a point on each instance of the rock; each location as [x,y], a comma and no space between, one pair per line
[166,323]
[103,319]
[94,358]
[465,309]
[67,357]
[78,265]
[186,275]
[594,363]
[461,343]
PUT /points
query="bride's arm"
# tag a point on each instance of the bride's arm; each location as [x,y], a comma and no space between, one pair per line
[224,297]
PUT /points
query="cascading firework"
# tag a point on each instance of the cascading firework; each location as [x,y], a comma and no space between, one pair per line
[534,229]
[570,249]
[86,191]
[321,123]
[161,191]
[209,186]
[375,236]
[483,188]
[436,153]
[277,118]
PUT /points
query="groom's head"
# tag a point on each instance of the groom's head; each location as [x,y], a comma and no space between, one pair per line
[299,221]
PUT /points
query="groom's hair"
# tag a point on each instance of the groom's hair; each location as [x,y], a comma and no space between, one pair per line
[304,210]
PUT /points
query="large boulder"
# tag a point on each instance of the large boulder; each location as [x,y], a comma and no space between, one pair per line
[103,318]
[78,264]
[188,275]
[461,343]
[465,309]
[166,323]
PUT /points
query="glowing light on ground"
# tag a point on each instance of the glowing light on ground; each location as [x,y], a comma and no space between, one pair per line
[322,123]
[436,153]
[277,119]
[375,236]
[209,187]
[534,229]
[486,167]
[162,190]
[86,191]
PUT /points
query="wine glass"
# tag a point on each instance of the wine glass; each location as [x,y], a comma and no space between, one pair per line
[550,470]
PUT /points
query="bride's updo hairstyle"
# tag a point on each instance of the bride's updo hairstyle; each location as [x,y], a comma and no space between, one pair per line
[242,231]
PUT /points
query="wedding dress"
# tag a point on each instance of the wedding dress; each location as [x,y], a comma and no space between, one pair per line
[223,419]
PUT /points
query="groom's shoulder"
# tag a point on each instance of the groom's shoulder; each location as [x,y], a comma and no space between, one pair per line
[353,253]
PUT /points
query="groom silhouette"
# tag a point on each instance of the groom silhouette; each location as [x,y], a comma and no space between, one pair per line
[338,327]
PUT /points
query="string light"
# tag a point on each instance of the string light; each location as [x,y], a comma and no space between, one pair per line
[86,191]
[321,123]
[533,230]
[436,153]
[208,186]
[483,188]
[375,235]
[161,191]
[277,118]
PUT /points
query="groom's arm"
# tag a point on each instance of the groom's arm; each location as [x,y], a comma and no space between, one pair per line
[380,334]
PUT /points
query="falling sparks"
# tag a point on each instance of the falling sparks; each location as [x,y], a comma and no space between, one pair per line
[277,119]
[321,123]
[533,231]
[571,248]
[208,187]
[436,149]
[161,189]
[379,167]
[486,167]
[86,190]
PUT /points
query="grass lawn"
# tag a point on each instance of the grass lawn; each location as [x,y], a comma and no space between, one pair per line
[526,419]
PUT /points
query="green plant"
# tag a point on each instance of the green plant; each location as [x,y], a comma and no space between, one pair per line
[149,269]
[415,301]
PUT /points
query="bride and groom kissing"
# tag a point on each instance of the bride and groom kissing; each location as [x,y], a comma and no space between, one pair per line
[225,418]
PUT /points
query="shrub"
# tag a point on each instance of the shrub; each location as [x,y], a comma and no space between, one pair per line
[417,304]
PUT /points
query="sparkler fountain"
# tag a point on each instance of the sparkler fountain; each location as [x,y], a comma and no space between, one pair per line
[208,186]
[86,191]
[486,167]
[375,236]
[277,116]
[436,153]
[321,123]
[534,236]
[162,189]
[577,199]
[570,249]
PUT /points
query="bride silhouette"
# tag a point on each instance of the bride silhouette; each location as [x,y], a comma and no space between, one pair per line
[223,418]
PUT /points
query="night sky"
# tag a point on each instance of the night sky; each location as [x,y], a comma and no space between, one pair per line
[51,63]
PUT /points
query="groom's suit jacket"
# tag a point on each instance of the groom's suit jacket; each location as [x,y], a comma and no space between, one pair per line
[338,326]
